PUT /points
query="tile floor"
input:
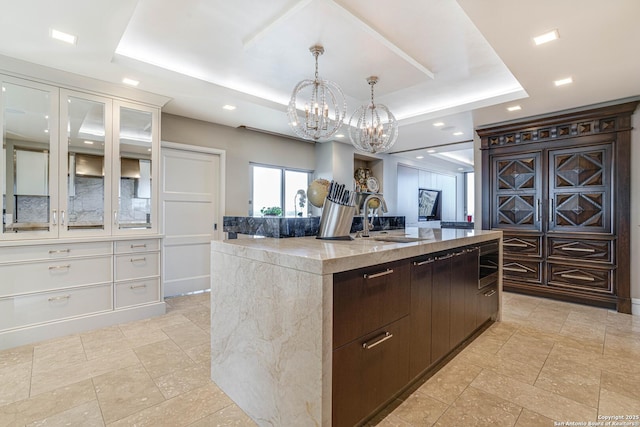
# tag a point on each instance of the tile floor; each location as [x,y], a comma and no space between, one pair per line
[546,362]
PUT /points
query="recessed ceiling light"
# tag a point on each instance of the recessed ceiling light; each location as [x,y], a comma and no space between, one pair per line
[339,135]
[130,82]
[62,36]
[546,37]
[431,151]
[460,169]
[229,107]
[458,133]
[46,131]
[438,124]
[514,108]
[89,142]
[148,149]
[562,82]
[419,157]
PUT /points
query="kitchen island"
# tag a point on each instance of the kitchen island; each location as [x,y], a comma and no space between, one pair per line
[273,347]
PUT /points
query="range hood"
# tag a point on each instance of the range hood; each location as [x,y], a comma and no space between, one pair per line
[89,165]
[129,168]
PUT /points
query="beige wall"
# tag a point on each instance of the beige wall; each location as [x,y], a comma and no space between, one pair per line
[242,147]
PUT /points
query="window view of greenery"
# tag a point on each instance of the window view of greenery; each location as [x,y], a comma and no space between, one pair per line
[279,191]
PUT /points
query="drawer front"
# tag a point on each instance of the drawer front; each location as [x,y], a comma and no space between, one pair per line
[49,275]
[139,245]
[487,304]
[369,371]
[580,249]
[519,270]
[136,266]
[522,245]
[580,278]
[137,292]
[369,298]
[52,252]
[26,310]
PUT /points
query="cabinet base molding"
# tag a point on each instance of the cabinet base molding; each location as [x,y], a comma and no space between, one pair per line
[51,330]
[604,301]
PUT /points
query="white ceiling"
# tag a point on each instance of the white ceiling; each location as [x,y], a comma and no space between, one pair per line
[437,60]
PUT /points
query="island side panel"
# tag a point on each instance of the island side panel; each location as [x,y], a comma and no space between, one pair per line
[268,339]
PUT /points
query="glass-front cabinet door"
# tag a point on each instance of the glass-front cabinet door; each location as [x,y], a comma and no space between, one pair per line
[136,149]
[85,164]
[29,160]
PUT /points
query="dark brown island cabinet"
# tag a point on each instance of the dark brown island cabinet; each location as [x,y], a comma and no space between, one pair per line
[558,186]
[393,322]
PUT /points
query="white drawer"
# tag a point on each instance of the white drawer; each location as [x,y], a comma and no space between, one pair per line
[49,275]
[26,310]
[56,251]
[137,292]
[136,266]
[139,245]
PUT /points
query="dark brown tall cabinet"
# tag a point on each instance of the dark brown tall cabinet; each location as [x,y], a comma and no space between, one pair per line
[558,187]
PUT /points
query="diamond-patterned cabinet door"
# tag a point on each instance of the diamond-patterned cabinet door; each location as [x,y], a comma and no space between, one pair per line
[516,210]
[579,210]
[516,174]
[580,169]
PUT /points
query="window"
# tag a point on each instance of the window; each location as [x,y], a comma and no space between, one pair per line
[275,186]
[469,190]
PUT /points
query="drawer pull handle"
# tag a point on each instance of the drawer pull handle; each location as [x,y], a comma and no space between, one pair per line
[383,338]
[585,278]
[137,286]
[515,269]
[579,250]
[440,258]
[60,251]
[60,298]
[515,245]
[144,245]
[59,267]
[138,259]
[425,262]
[490,293]
[382,273]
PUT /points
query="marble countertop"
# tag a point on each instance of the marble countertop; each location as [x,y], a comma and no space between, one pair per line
[331,256]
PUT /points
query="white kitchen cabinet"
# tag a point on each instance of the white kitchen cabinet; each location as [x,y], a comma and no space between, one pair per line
[79,244]
[76,164]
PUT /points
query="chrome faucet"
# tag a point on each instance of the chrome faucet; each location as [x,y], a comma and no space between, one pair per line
[365,206]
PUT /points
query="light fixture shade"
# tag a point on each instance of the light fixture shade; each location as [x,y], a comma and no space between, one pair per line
[372,127]
[322,106]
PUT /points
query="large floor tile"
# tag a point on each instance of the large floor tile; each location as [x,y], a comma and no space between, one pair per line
[516,369]
[87,414]
[163,357]
[15,383]
[612,403]
[46,404]
[450,381]
[529,418]
[575,381]
[621,383]
[231,416]
[16,356]
[125,391]
[182,410]
[183,380]
[551,405]
[419,409]
[477,408]
[187,335]
[526,348]
[58,354]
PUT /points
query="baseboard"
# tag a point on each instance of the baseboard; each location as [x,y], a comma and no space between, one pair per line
[635,306]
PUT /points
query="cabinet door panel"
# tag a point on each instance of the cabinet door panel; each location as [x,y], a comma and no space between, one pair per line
[421,279]
[440,309]
[28,160]
[85,166]
[581,278]
[369,371]
[579,189]
[368,298]
[516,184]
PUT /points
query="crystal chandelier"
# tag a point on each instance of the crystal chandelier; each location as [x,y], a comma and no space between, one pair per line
[324,106]
[373,128]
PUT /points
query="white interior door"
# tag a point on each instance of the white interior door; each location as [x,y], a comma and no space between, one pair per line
[191,194]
